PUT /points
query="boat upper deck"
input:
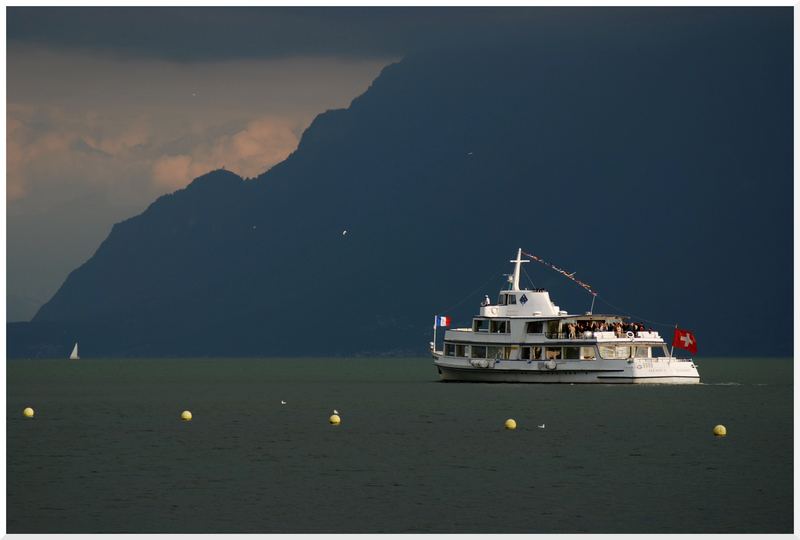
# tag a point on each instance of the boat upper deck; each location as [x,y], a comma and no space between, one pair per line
[468,334]
[529,315]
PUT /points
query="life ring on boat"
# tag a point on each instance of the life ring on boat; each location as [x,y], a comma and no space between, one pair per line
[630,335]
[550,364]
[492,310]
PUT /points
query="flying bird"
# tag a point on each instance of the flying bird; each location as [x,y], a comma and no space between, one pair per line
[541,427]
[344,232]
[335,411]
[283,402]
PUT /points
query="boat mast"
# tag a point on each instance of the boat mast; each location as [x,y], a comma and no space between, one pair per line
[517,262]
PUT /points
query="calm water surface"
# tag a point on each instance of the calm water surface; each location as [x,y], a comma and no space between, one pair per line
[107,452]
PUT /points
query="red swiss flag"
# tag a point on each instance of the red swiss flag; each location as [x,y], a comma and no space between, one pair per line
[684,339]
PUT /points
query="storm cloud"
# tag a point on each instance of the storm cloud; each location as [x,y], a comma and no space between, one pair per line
[93,137]
[214,33]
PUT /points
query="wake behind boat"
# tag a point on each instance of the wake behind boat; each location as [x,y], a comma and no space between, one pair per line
[525,337]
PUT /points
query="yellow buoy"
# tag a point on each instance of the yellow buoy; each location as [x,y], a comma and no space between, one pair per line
[27,412]
[511,424]
[186,416]
[720,430]
[335,420]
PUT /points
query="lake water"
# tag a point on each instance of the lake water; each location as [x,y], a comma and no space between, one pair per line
[107,452]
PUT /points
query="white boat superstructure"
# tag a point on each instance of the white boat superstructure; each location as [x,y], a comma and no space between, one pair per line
[525,337]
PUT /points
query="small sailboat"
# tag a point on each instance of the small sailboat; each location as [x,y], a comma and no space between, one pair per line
[74,355]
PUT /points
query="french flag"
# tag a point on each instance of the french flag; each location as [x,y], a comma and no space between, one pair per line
[442,320]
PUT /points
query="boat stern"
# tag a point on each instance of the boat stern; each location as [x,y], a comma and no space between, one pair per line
[665,370]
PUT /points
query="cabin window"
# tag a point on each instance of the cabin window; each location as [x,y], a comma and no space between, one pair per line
[500,327]
[572,353]
[480,325]
[659,351]
[650,351]
[508,352]
[478,351]
[494,352]
[531,353]
[587,353]
[623,351]
[534,327]
[449,349]
[552,328]
[615,352]
[552,353]
[507,299]
[607,351]
[461,350]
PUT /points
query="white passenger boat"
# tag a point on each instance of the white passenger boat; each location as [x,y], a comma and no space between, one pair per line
[525,337]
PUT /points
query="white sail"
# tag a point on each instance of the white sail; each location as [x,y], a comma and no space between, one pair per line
[74,355]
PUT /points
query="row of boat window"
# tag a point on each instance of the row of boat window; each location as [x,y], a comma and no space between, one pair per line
[495,326]
[551,329]
[607,352]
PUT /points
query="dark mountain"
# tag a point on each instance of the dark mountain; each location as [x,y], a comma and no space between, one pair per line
[653,158]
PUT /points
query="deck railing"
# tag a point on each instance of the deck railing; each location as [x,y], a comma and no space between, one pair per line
[565,335]
[588,334]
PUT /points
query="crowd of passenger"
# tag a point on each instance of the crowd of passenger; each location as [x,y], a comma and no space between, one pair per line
[620,329]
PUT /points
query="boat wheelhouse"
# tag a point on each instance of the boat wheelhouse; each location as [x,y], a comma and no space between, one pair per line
[526,337]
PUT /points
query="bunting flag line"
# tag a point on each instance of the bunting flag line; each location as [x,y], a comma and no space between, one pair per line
[570,275]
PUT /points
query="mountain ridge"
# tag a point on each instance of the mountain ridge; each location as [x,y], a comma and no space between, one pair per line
[439,171]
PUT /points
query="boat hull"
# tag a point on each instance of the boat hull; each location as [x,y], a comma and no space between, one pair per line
[651,371]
